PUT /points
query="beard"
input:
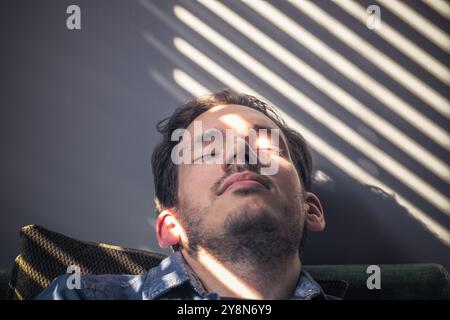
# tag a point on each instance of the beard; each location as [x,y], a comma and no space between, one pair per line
[249,235]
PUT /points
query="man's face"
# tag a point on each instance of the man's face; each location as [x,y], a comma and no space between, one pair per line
[258,212]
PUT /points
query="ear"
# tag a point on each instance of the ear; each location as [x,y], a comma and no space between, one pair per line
[167,229]
[314,218]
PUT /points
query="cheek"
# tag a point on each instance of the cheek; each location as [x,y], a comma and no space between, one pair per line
[288,177]
[195,182]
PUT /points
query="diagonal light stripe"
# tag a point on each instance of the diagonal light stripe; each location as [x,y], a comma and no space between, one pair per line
[440,6]
[391,165]
[377,57]
[351,71]
[422,25]
[168,86]
[195,87]
[351,104]
[397,40]
[16,292]
[337,158]
[34,274]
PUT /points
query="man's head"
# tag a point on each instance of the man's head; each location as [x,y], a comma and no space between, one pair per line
[230,209]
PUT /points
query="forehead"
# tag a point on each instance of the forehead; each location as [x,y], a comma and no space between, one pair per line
[233,116]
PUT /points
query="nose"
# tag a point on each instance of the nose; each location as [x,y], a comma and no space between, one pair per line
[241,155]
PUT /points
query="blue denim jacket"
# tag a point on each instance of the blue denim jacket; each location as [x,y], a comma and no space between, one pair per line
[171,279]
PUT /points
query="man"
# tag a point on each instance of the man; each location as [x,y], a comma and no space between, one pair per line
[236,227]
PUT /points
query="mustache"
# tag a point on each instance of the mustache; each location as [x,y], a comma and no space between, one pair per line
[254,168]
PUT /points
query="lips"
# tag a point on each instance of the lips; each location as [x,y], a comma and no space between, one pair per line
[245,179]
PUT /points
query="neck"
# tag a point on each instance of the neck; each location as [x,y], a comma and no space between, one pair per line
[246,280]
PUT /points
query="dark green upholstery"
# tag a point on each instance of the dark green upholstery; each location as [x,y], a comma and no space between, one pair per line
[398,281]
[46,254]
[4,279]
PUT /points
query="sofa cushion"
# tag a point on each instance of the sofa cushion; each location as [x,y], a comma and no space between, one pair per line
[46,254]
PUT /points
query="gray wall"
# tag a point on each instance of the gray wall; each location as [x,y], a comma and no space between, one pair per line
[79,108]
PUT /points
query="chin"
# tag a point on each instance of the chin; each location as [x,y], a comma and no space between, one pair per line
[251,204]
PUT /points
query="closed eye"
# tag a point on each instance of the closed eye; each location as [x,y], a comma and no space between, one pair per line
[273,149]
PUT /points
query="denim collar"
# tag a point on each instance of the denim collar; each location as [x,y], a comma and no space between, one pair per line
[307,288]
[173,272]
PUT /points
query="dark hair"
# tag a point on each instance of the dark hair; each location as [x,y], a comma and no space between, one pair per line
[165,173]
